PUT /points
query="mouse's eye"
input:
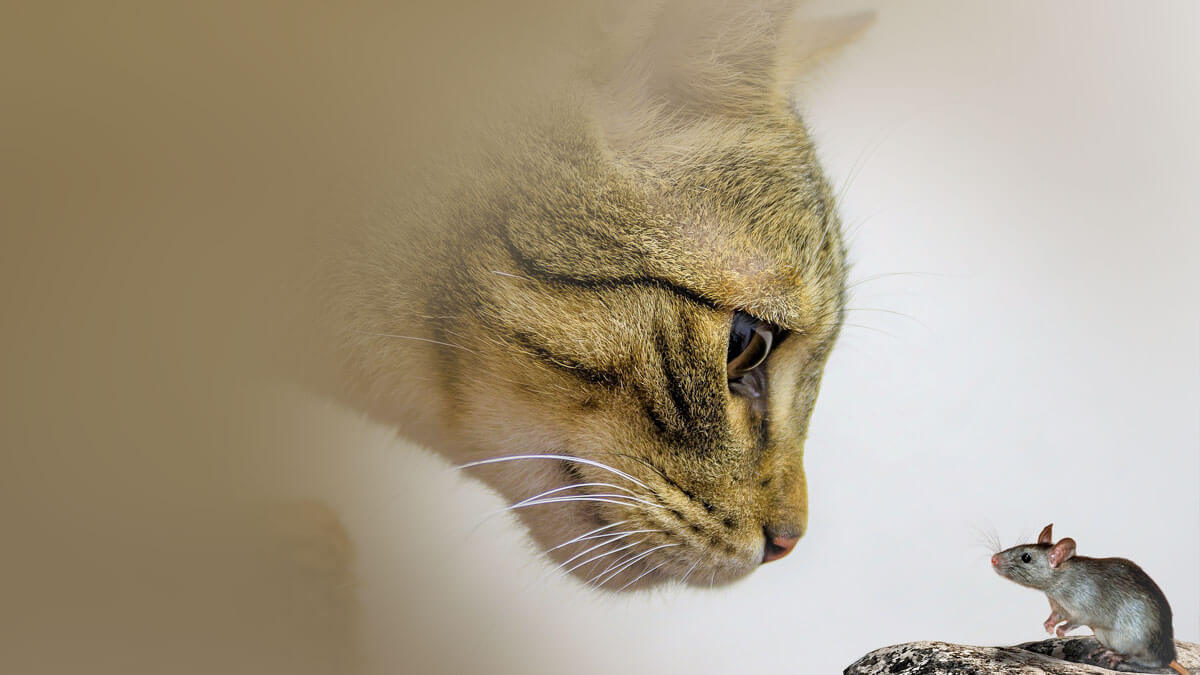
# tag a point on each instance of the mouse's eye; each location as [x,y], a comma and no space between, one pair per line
[1025,557]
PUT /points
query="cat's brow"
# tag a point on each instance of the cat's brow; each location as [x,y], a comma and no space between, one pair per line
[588,373]
[533,268]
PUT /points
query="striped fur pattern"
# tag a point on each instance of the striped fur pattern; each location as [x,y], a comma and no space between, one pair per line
[560,312]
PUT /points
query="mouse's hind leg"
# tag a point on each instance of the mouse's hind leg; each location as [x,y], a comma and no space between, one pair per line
[1103,656]
[1148,663]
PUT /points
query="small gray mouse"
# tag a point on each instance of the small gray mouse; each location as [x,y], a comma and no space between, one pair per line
[1112,596]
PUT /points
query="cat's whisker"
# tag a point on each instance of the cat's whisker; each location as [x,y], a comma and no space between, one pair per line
[860,162]
[866,327]
[643,462]
[851,230]
[639,577]
[601,536]
[587,535]
[563,458]
[615,537]
[611,565]
[887,311]
[813,252]
[417,339]
[620,500]
[612,575]
[534,500]
[602,555]
[599,560]
[510,274]
[689,572]
[629,563]
[574,485]
[610,572]
[862,326]
[876,277]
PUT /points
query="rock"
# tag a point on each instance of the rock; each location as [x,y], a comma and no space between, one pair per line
[1061,656]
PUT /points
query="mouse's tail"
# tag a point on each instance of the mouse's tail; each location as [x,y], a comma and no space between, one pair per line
[1174,665]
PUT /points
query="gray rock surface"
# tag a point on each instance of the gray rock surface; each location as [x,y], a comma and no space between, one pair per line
[1059,656]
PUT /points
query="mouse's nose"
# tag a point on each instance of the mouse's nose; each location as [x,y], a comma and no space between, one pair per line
[995,560]
[778,546]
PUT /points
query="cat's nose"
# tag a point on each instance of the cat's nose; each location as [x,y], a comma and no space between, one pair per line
[778,545]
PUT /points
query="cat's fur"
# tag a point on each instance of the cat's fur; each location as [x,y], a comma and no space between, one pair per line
[570,292]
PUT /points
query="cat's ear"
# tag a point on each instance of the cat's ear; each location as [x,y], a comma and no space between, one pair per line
[806,43]
[1046,537]
[705,57]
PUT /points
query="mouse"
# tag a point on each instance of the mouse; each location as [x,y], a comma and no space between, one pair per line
[1113,596]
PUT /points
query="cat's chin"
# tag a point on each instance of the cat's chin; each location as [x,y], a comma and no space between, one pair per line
[583,549]
[604,531]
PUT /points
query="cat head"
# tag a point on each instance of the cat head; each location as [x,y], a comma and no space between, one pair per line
[623,314]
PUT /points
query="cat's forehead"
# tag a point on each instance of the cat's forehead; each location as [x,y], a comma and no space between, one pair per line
[785,265]
[754,217]
[735,213]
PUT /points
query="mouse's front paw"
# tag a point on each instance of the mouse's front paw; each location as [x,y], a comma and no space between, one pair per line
[1065,628]
[1056,617]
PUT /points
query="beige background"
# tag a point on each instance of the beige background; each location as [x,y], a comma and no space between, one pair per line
[1028,169]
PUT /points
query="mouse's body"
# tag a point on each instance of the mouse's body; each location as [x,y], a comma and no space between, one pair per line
[1118,601]
[1112,596]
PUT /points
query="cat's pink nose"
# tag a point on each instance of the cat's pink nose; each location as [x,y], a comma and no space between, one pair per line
[778,546]
[995,560]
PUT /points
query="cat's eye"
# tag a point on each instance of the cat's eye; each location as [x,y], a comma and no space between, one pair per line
[750,342]
[1025,557]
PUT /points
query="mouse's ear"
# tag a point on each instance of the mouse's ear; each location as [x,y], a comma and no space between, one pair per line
[1065,548]
[1045,537]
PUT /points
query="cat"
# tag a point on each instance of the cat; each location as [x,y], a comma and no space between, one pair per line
[618,311]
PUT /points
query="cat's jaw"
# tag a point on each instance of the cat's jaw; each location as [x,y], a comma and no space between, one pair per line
[615,544]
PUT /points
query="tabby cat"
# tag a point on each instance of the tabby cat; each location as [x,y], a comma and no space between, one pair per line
[618,312]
